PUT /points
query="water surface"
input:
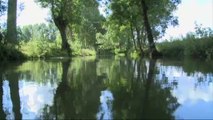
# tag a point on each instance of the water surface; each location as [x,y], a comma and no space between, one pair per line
[106,88]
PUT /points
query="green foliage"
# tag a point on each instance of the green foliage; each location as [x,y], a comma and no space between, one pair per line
[10,53]
[37,32]
[198,44]
[134,54]
[192,47]
[79,20]
[78,51]
[202,32]
[171,49]
[88,24]
[41,41]
[116,38]
[38,48]
[125,25]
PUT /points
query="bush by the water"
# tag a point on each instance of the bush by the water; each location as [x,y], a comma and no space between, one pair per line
[10,53]
[44,49]
[192,47]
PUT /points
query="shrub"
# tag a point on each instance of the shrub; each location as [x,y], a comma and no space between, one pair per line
[192,47]
[10,53]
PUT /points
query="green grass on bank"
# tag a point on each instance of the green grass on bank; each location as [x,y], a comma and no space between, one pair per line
[188,47]
[39,49]
[45,49]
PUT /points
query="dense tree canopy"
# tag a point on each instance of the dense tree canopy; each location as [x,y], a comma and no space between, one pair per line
[75,19]
[88,23]
[131,14]
[76,27]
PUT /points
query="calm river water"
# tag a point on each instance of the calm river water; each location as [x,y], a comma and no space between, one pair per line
[106,88]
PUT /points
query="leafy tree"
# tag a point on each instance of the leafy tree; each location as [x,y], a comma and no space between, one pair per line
[202,32]
[153,50]
[89,23]
[116,38]
[62,13]
[166,7]
[147,20]
[80,19]
[37,32]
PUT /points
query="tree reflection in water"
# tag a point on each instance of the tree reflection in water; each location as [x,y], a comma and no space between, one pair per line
[77,95]
[137,92]
[13,79]
[14,91]
[133,91]
[2,114]
[96,89]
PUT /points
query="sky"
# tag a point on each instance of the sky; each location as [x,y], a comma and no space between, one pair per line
[188,12]
[32,13]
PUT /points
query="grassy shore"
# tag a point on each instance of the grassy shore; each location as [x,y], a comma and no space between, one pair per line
[187,47]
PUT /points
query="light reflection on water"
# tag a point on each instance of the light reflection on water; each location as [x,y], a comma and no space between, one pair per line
[135,89]
[7,104]
[196,98]
[105,110]
[34,97]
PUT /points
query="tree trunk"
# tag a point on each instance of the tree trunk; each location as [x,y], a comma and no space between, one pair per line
[152,48]
[65,45]
[61,25]
[139,41]
[11,21]
[133,37]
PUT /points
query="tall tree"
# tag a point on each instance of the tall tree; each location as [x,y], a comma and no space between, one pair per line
[147,19]
[152,48]
[157,15]
[62,13]
[11,21]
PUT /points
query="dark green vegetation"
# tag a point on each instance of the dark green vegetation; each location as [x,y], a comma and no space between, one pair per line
[76,27]
[195,45]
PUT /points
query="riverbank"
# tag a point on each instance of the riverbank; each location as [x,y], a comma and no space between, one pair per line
[188,47]
[201,48]
[10,53]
